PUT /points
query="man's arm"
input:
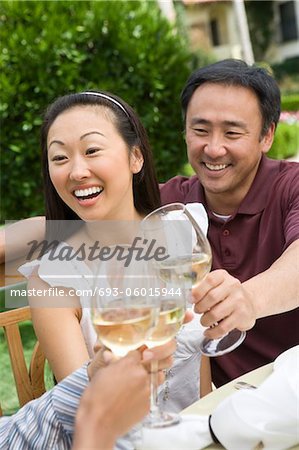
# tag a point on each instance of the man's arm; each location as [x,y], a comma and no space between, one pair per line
[223,299]
[277,289]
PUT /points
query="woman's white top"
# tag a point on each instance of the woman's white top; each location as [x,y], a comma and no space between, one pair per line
[74,275]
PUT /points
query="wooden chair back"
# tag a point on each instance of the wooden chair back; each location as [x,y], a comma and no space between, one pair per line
[9,273]
[29,382]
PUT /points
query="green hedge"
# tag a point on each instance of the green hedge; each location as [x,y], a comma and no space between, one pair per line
[286,141]
[290,102]
[52,48]
[289,67]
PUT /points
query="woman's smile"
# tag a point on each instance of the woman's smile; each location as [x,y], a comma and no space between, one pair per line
[90,165]
[87,195]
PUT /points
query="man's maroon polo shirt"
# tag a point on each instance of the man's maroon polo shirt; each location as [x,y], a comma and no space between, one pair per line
[264,225]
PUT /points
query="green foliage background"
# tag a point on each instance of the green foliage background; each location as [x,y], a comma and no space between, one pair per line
[52,48]
[286,142]
[290,102]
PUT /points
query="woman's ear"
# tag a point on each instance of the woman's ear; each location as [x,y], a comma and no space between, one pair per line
[136,160]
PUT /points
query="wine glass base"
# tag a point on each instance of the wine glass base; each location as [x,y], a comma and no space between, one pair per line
[161,420]
[227,343]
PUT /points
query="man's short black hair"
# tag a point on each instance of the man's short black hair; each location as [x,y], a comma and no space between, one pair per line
[234,72]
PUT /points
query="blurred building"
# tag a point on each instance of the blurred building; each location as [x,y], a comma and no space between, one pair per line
[287,36]
[214,25]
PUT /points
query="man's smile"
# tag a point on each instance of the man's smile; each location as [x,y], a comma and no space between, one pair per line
[215,167]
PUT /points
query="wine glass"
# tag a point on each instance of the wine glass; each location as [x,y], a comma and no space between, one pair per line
[201,265]
[189,260]
[171,316]
[166,228]
[122,313]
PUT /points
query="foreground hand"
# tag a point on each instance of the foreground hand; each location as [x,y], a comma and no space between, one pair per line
[103,357]
[162,354]
[116,399]
[223,300]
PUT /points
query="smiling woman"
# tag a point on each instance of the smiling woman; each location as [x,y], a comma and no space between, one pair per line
[84,166]
[97,163]
[97,166]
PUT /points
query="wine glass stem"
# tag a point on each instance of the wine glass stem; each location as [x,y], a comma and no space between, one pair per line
[154,408]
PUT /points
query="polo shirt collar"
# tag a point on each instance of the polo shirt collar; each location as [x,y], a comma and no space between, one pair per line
[256,198]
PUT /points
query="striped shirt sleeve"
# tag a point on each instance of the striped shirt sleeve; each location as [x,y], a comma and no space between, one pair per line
[47,422]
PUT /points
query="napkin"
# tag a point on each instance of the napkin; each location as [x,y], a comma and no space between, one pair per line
[267,415]
[178,233]
[191,434]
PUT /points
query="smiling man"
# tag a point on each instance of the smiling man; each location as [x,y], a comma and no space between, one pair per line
[231,112]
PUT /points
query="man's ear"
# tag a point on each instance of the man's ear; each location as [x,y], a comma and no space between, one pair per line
[267,140]
[136,160]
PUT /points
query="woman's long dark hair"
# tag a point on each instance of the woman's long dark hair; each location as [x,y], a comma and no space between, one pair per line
[145,185]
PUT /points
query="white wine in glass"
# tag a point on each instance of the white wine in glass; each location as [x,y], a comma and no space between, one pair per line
[169,322]
[122,319]
[123,324]
[177,270]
